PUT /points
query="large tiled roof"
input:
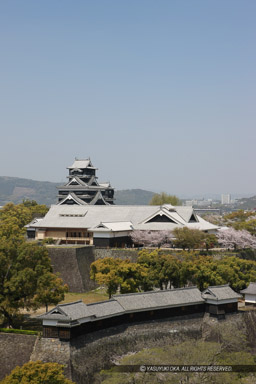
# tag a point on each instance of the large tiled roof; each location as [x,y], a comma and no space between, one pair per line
[120,304]
[63,216]
[251,289]
[158,299]
[78,312]
[220,292]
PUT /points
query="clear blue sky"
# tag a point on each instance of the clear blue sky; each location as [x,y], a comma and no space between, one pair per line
[160,94]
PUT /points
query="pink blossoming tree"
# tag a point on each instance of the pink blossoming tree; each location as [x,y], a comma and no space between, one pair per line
[231,238]
[151,238]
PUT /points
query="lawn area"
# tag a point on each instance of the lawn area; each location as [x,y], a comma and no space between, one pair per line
[87,297]
[98,294]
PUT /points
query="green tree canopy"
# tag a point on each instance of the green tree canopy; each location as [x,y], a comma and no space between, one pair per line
[186,238]
[36,372]
[26,278]
[164,198]
[50,290]
[13,218]
[118,274]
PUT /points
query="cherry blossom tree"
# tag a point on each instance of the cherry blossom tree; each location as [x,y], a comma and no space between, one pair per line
[151,238]
[231,238]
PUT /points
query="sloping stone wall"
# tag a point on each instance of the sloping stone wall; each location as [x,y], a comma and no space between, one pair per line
[53,350]
[73,262]
[86,355]
[15,350]
[96,351]
[73,265]
[122,253]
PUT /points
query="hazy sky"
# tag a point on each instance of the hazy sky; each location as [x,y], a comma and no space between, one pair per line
[160,94]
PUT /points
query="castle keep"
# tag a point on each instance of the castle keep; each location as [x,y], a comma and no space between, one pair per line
[83,188]
[86,214]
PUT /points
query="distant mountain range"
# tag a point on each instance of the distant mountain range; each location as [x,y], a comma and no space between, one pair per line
[44,192]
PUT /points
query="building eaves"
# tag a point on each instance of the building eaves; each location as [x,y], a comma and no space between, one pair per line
[82,164]
[97,197]
[251,289]
[72,196]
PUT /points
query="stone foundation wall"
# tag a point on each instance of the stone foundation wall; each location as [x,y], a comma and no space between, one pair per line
[53,350]
[86,355]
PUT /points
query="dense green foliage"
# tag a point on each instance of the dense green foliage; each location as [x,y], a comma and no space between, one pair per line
[36,372]
[154,270]
[164,198]
[117,273]
[186,238]
[247,254]
[26,278]
[241,219]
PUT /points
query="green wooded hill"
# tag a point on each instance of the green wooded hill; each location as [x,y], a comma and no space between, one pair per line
[247,203]
[15,189]
[133,197]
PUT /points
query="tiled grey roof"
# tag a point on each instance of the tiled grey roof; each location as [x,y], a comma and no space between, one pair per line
[158,299]
[81,164]
[250,289]
[135,302]
[70,311]
[97,214]
[76,310]
[220,292]
[185,213]
[105,308]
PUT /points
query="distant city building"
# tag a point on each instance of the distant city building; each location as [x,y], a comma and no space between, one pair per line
[226,199]
[190,203]
[83,188]
[198,203]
